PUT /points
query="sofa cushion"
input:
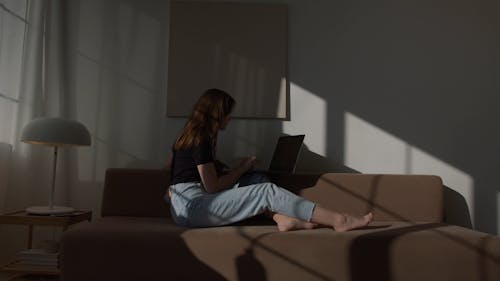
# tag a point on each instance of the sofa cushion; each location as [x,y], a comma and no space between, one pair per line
[133,248]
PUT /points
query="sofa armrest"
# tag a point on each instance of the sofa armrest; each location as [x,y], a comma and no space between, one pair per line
[135,192]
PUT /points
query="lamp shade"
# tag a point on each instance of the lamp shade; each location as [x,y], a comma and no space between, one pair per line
[54,131]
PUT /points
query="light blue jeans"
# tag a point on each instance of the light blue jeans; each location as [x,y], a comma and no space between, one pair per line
[192,206]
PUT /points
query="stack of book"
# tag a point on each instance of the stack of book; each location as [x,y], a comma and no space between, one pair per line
[38,257]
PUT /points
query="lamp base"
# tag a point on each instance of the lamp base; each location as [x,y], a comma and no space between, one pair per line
[46,210]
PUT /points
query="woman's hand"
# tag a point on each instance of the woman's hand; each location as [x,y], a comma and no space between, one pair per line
[213,183]
[222,169]
[248,163]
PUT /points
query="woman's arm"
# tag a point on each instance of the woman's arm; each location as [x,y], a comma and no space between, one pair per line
[168,164]
[214,183]
[221,167]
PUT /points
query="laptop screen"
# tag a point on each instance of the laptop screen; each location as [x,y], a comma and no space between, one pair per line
[286,154]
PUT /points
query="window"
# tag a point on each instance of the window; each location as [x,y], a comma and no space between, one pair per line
[13,26]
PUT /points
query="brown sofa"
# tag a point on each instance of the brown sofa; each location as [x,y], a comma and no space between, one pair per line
[136,240]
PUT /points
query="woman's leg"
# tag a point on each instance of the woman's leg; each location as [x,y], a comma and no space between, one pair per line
[289,211]
[340,222]
[237,204]
[286,223]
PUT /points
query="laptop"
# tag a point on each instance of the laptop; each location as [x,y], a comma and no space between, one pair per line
[286,153]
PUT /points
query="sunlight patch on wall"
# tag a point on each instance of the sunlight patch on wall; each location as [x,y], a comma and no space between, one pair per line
[307,116]
[370,149]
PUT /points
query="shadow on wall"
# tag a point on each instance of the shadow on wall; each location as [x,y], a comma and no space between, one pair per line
[455,209]
[312,162]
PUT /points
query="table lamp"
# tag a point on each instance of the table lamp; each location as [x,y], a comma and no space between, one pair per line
[56,132]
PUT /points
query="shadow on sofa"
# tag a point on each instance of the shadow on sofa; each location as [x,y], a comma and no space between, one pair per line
[124,248]
[370,254]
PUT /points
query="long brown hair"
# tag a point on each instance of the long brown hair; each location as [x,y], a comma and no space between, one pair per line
[208,113]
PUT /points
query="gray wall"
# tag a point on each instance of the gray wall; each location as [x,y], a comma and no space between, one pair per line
[422,72]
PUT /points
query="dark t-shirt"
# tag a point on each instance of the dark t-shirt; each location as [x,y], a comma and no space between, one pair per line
[184,162]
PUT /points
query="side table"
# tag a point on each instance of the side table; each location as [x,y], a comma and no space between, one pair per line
[22,218]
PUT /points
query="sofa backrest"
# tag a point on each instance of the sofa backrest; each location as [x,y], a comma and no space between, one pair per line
[135,192]
[389,197]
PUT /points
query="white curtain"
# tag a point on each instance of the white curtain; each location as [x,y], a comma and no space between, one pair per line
[5,150]
[31,51]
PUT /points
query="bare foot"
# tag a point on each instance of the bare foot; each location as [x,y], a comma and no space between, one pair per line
[349,222]
[286,223]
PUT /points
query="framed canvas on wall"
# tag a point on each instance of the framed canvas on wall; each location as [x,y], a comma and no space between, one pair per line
[240,48]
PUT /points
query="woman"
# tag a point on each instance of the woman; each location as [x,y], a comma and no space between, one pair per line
[205,193]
